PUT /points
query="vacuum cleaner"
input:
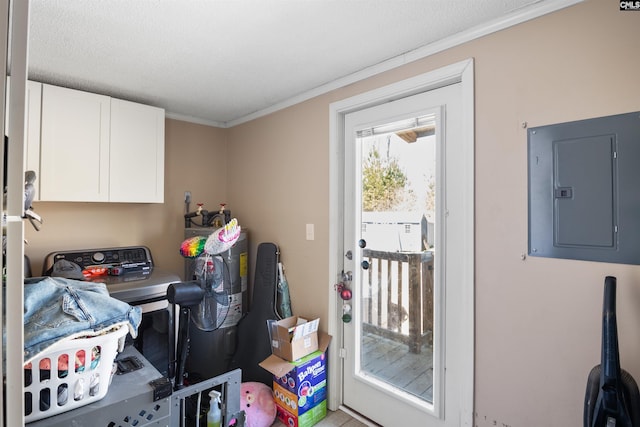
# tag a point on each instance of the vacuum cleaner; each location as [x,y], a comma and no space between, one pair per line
[612,398]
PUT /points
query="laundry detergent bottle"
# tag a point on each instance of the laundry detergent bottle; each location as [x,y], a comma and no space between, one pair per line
[214,416]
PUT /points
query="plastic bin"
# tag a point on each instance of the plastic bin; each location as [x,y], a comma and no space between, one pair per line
[72,373]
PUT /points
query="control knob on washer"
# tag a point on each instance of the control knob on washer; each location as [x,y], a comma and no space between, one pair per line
[98,257]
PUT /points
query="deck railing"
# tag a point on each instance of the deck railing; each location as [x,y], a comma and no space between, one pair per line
[398,296]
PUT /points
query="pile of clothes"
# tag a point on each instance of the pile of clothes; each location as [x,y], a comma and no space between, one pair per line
[58,308]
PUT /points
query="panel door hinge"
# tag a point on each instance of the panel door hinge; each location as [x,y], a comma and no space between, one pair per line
[342,353]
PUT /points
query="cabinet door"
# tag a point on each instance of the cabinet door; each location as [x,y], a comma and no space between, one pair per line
[74,145]
[32,147]
[137,153]
[32,154]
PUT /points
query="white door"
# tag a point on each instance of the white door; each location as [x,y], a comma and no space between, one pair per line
[407,211]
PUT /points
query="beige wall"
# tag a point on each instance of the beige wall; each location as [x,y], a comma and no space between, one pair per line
[279,183]
[537,320]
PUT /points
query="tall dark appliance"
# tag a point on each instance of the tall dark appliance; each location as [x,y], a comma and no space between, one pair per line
[612,398]
[211,350]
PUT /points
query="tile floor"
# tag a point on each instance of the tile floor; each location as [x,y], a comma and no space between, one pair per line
[333,419]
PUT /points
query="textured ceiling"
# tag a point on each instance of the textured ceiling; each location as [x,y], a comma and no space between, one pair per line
[224,61]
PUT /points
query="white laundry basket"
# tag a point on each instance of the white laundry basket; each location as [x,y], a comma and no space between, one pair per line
[72,373]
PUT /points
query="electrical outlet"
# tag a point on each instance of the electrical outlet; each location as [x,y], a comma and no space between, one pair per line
[310,232]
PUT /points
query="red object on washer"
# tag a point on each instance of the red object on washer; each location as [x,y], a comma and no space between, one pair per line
[94,271]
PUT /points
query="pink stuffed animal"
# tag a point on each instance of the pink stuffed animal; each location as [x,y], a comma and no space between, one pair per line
[256,400]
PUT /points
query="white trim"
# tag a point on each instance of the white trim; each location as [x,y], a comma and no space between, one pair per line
[514,18]
[432,80]
[358,417]
[440,276]
[14,346]
[468,320]
[463,73]
[4,37]
[196,120]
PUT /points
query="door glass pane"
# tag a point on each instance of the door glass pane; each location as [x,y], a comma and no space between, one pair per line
[398,175]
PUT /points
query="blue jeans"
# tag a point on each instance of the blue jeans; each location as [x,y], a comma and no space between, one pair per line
[55,307]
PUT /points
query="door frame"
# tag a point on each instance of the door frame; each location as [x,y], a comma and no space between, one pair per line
[462,73]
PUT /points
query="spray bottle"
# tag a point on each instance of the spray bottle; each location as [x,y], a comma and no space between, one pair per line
[214,416]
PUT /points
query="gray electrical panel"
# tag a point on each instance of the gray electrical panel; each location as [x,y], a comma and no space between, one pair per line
[584,189]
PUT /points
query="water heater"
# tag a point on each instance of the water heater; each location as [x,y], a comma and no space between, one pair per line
[213,344]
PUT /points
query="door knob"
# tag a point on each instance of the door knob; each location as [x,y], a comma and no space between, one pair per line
[365,265]
[347,277]
[362,243]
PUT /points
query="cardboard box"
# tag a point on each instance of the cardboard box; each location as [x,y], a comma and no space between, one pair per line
[279,367]
[303,387]
[308,419]
[294,337]
[304,409]
[300,387]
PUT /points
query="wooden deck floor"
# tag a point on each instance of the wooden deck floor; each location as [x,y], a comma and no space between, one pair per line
[392,362]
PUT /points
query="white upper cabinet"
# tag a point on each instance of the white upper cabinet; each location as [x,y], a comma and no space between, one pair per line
[98,149]
[74,163]
[136,168]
